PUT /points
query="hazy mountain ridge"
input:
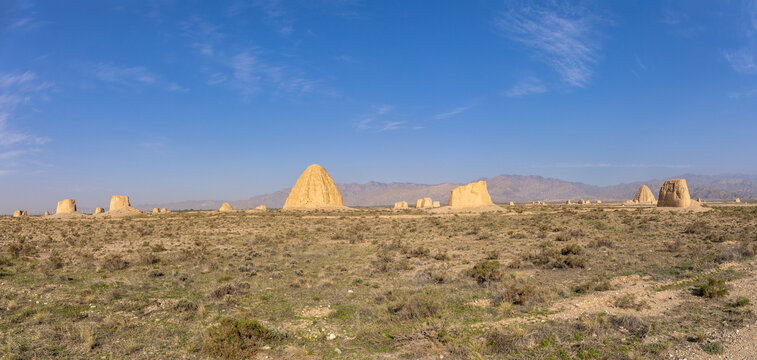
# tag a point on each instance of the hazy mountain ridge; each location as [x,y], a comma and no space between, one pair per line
[503,188]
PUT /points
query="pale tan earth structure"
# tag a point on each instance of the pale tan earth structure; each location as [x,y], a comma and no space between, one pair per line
[471,195]
[164,210]
[401,205]
[314,189]
[225,207]
[511,203]
[47,213]
[155,211]
[582,201]
[588,202]
[568,202]
[737,200]
[424,203]
[436,204]
[261,207]
[99,210]
[598,201]
[67,206]
[19,213]
[119,202]
[644,196]
[674,193]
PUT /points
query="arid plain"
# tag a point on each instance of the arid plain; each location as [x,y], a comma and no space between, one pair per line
[530,281]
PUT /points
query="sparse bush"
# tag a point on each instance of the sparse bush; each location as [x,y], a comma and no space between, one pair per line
[518,292]
[506,340]
[628,301]
[697,227]
[632,324]
[416,307]
[239,338]
[114,262]
[485,271]
[714,348]
[420,251]
[713,288]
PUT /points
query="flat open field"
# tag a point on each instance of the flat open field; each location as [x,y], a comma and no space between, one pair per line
[540,282]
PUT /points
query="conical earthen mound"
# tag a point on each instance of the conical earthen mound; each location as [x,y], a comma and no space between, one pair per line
[315,189]
[225,207]
[674,193]
[644,195]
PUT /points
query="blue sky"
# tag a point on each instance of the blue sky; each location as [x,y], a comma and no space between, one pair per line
[178,100]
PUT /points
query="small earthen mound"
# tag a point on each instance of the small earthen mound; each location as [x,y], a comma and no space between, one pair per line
[261,207]
[226,207]
[674,193]
[737,200]
[425,203]
[155,211]
[511,203]
[99,210]
[644,196]
[436,204]
[470,196]
[315,189]
[47,213]
[568,202]
[581,202]
[164,211]
[598,201]
[19,213]
[399,205]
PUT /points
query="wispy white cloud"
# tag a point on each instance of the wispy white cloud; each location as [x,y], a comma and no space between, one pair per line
[610,165]
[452,113]
[276,15]
[744,94]
[563,38]
[380,119]
[17,90]
[132,77]
[743,60]
[528,86]
[250,70]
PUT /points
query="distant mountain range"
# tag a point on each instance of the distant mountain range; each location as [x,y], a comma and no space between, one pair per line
[503,188]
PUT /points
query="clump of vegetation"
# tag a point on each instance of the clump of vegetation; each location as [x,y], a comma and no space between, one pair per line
[485,272]
[114,262]
[238,338]
[506,340]
[570,256]
[628,301]
[713,288]
[518,292]
[418,306]
[714,348]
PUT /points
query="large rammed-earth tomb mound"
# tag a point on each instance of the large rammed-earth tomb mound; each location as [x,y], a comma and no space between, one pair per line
[644,196]
[315,189]
[674,193]
[471,195]
[67,206]
[226,207]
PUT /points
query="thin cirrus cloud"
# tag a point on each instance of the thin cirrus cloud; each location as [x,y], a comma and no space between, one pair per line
[17,90]
[452,113]
[132,77]
[380,119]
[561,38]
[249,70]
[743,61]
[525,87]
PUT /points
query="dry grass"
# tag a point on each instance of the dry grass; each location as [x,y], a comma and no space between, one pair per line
[398,285]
